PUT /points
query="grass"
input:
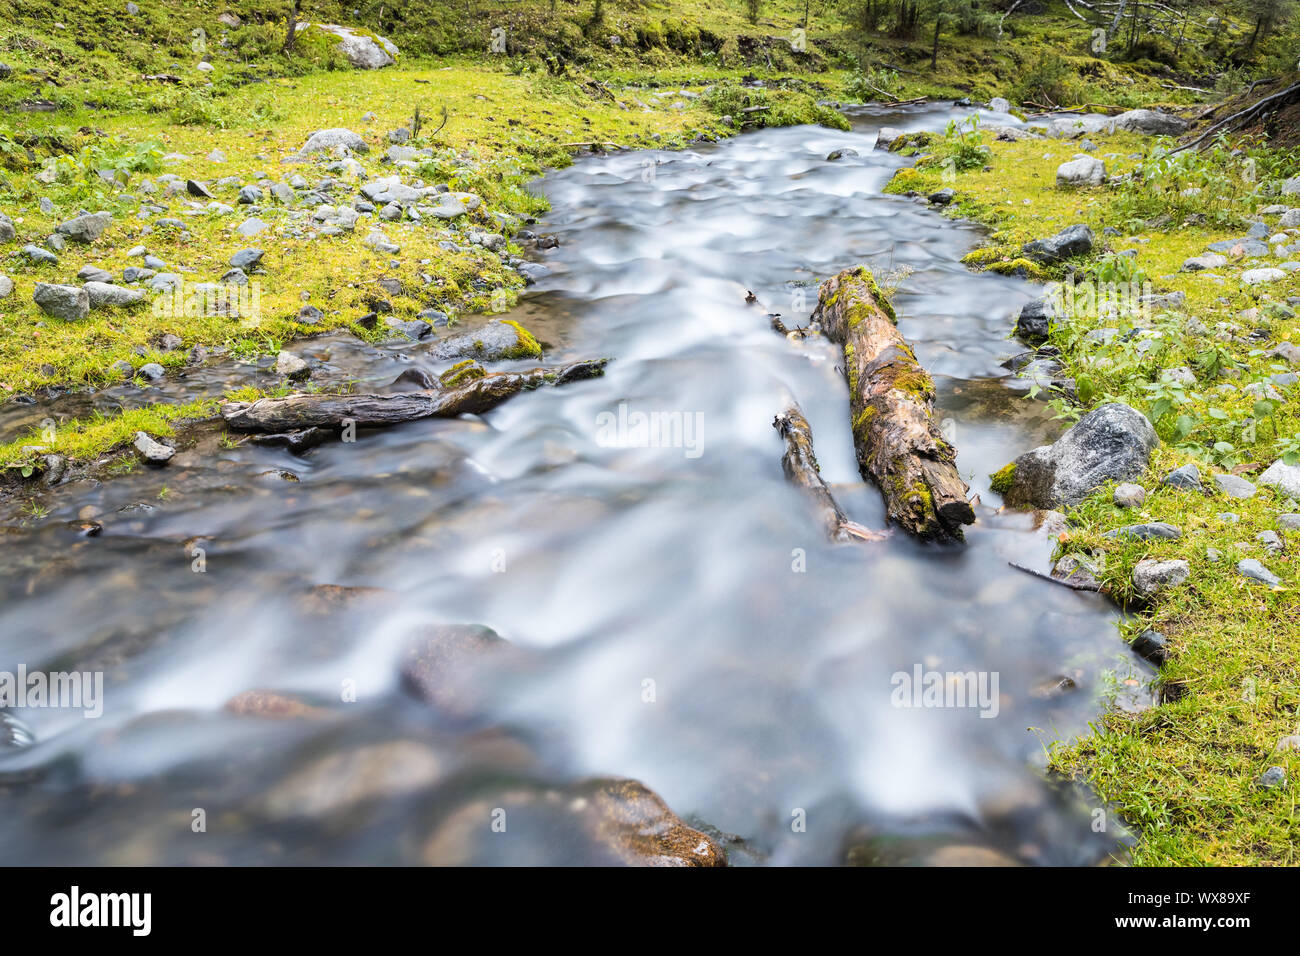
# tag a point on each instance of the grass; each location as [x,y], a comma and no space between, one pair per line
[1184,772]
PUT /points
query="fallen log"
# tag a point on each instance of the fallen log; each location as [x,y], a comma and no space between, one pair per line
[478,396]
[800,466]
[891,398]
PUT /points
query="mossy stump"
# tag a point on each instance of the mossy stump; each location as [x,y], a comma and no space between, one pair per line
[899,447]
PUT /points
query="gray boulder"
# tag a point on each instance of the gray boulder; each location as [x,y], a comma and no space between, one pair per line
[1150,123]
[152,452]
[1035,318]
[7,231]
[85,228]
[1081,171]
[324,140]
[1111,443]
[495,341]
[1187,477]
[1073,240]
[62,301]
[1152,578]
[365,51]
[106,295]
[1282,478]
[6,286]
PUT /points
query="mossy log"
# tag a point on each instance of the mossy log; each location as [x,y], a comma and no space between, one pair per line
[478,396]
[800,465]
[899,446]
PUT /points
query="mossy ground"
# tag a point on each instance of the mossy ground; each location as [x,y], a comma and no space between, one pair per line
[1184,772]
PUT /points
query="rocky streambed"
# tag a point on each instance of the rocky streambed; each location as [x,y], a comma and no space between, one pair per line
[522,635]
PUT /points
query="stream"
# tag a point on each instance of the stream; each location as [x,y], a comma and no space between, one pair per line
[674,613]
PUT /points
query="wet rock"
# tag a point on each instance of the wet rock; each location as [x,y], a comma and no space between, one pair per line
[152,452]
[1081,171]
[85,228]
[1283,478]
[14,734]
[266,703]
[1152,577]
[104,295]
[1145,532]
[607,822]
[1151,645]
[152,372]
[1035,318]
[1251,568]
[413,330]
[496,341]
[62,301]
[439,662]
[1129,495]
[1074,240]
[943,197]
[840,154]
[327,139]
[344,781]
[532,272]
[1078,571]
[298,441]
[290,365]
[1111,443]
[1185,477]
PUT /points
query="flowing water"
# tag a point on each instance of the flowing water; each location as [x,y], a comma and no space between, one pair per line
[675,614]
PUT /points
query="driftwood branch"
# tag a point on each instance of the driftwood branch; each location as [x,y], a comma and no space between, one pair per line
[891,398]
[316,410]
[800,465]
[1240,118]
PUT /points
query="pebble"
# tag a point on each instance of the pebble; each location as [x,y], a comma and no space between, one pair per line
[1186,477]
[1253,569]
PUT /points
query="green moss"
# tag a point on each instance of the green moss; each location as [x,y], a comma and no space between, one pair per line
[89,438]
[1003,479]
[528,346]
[462,373]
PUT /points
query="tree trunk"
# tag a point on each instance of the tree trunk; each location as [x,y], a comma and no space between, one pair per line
[800,466]
[335,411]
[891,399]
[1119,16]
[292,34]
[934,53]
